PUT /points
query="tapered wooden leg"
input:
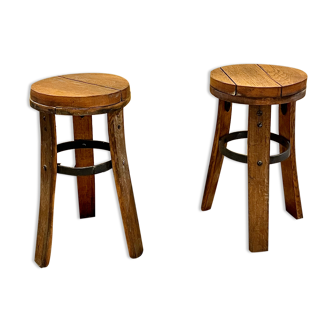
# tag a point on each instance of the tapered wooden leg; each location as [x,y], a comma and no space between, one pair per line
[84,158]
[47,188]
[123,183]
[258,176]
[288,167]
[216,160]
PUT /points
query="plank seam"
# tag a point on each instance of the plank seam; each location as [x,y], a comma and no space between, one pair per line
[230,79]
[103,86]
[271,78]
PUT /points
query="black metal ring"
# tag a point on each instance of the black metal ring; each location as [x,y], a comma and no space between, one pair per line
[83,171]
[243,158]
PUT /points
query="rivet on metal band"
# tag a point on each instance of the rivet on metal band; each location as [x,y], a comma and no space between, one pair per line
[243,158]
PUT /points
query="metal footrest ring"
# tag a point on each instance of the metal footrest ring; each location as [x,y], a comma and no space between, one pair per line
[83,171]
[243,158]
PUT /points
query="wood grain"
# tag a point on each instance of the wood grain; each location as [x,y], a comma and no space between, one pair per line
[80,90]
[84,157]
[292,80]
[47,188]
[216,159]
[220,81]
[258,81]
[123,183]
[252,81]
[257,101]
[288,166]
[78,111]
[258,177]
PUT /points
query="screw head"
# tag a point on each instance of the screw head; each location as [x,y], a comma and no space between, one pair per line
[45,168]
[259,124]
[259,163]
[259,113]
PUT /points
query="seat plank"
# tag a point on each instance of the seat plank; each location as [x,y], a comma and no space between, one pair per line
[258,82]
[79,91]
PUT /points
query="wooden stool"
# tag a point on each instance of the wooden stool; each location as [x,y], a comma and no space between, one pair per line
[260,86]
[83,95]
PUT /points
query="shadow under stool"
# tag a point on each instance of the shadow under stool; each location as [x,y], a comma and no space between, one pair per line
[81,96]
[259,86]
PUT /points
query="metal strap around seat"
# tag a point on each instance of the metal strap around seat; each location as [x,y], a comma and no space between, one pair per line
[243,158]
[84,171]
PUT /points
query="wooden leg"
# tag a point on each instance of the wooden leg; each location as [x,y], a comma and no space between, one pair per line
[258,176]
[123,183]
[216,160]
[47,188]
[288,167]
[84,158]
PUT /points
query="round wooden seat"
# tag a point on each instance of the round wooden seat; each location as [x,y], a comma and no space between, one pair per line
[255,84]
[80,94]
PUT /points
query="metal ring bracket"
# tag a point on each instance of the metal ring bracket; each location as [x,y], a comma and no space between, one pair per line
[243,158]
[83,171]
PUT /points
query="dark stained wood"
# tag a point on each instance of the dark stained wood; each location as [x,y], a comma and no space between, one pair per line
[258,81]
[80,91]
[47,188]
[84,158]
[288,167]
[258,177]
[123,183]
[216,160]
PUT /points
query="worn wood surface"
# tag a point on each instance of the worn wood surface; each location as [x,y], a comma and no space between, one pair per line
[123,183]
[258,81]
[216,159]
[78,111]
[257,101]
[258,176]
[84,158]
[80,91]
[288,166]
[47,188]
